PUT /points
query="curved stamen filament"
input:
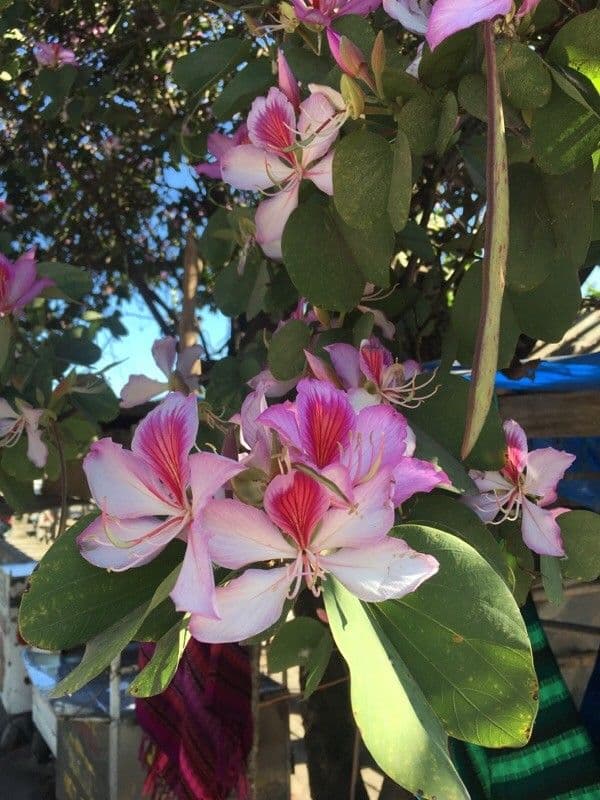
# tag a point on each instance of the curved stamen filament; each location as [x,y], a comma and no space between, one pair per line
[13,434]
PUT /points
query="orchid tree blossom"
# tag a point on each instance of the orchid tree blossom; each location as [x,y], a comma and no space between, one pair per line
[218,145]
[180,370]
[285,148]
[308,541]
[323,431]
[324,12]
[370,374]
[349,58]
[411,14]
[24,419]
[152,494]
[19,283]
[49,54]
[524,486]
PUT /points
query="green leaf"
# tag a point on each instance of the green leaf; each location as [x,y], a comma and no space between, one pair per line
[361,178]
[204,66]
[69,601]
[443,415]
[401,183]
[524,78]
[286,352]
[552,579]
[158,622]
[577,45]
[372,249]
[70,283]
[358,30]
[159,671]
[445,513]
[465,320]
[580,532]
[550,223]
[74,349]
[472,95]
[564,134]
[232,290]
[414,238]
[448,60]
[397,725]
[97,401]
[548,311]
[462,637]
[419,118]
[217,242]
[6,337]
[447,123]
[240,91]
[302,641]
[319,261]
[109,644]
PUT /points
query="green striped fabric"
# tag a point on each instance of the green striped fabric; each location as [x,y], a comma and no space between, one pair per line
[559,763]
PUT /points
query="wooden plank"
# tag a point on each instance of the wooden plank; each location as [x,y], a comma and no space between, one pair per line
[552,414]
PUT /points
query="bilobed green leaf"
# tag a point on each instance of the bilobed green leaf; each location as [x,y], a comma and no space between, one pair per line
[372,249]
[201,68]
[69,601]
[106,646]
[361,178]
[419,118]
[577,45]
[240,91]
[414,238]
[463,639]
[70,283]
[286,351]
[472,95]
[401,182]
[580,532]
[74,349]
[159,671]
[547,311]
[319,261]
[524,78]
[552,579]
[397,724]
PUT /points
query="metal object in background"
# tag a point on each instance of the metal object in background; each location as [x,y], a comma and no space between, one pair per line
[15,687]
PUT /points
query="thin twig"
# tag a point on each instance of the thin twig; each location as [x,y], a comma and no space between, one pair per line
[355,765]
[299,695]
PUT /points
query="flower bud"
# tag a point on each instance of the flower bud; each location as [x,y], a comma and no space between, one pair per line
[353,97]
[378,61]
[349,58]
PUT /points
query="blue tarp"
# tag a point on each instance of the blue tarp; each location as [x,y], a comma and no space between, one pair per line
[570,374]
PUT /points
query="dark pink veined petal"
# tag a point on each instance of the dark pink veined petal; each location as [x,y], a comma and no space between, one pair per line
[272,124]
[194,589]
[516,450]
[384,570]
[164,352]
[287,80]
[325,419]
[164,439]
[209,472]
[373,359]
[122,484]
[247,606]
[412,475]
[450,16]
[541,532]
[296,503]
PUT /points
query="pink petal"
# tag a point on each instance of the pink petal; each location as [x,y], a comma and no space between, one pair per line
[359,7]
[373,359]
[321,174]
[307,12]
[412,475]
[486,506]
[382,571]
[211,169]
[345,360]
[488,481]
[369,519]
[410,368]
[287,80]
[164,439]
[239,534]
[282,419]
[164,352]
[516,444]
[209,472]
[252,407]
[317,126]
[527,7]
[325,419]
[272,124]
[450,16]
[411,14]
[140,389]
[271,218]
[249,167]
[247,606]
[320,369]
[219,145]
[104,542]
[194,590]
[296,503]
[270,385]
[541,532]
[122,485]
[37,451]
[388,329]
[378,440]
[545,468]
[188,364]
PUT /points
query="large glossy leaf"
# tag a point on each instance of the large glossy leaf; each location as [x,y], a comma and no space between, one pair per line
[577,45]
[524,77]
[580,532]
[69,282]
[397,724]
[69,601]
[401,182]
[301,641]
[252,81]
[547,311]
[159,671]
[463,638]
[199,69]
[286,352]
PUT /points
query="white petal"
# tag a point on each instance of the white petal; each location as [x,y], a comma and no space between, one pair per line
[140,389]
[247,606]
[545,468]
[247,167]
[541,532]
[209,472]
[194,590]
[271,217]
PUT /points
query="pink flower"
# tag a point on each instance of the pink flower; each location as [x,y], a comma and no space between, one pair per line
[411,14]
[218,146]
[324,12]
[287,80]
[323,431]
[176,367]
[19,283]
[270,385]
[371,375]
[12,425]
[52,55]
[310,540]
[525,485]
[6,211]
[153,493]
[284,149]
[253,436]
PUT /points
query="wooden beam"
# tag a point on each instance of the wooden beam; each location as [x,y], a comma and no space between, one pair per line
[551,414]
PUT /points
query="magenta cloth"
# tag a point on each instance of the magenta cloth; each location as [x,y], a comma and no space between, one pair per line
[198,732]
